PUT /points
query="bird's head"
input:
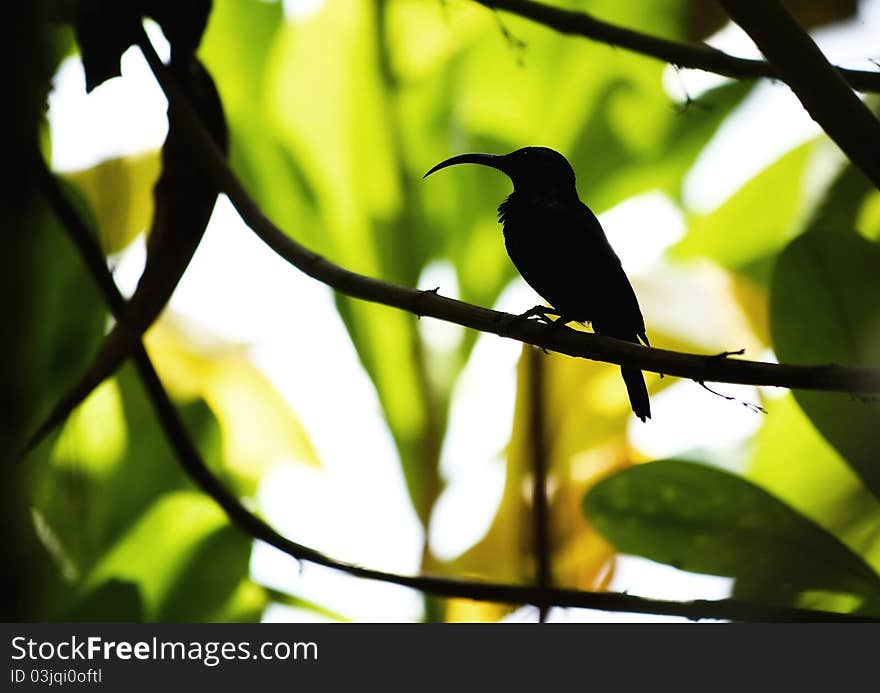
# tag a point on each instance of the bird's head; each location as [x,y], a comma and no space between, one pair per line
[532,169]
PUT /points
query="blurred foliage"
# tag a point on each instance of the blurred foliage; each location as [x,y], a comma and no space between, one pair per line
[334,115]
[824,310]
[776,192]
[115,192]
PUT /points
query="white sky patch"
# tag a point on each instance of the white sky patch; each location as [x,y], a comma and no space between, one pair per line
[641,228]
[644,578]
[128,265]
[686,417]
[368,601]
[486,386]
[439,335]
[237,287]
[481,418]
[299,10]
[464,511]
[768,123]
[124,115]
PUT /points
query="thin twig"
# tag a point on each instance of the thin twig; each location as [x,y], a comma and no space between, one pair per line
[517,45]
[564,341]
[751,406]
[693,56]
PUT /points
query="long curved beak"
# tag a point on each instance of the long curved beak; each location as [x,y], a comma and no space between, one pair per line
[491,160]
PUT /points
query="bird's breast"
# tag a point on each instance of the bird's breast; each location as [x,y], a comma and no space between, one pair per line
[551,259]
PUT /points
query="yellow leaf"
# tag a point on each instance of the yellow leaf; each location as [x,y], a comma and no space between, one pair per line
[258,427]
[120,191]
[584,423]
[470,611]
[585,411]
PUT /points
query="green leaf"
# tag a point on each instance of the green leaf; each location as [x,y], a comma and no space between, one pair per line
[210,579]
[162,549]
[824,309]
[114,601]
[819,485]
[756,220]
[237,49]
[96,486]
[704,520]
[294,602]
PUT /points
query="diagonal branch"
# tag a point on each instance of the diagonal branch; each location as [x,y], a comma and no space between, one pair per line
[255,527]
[694,56]
[428,303]
[819,86]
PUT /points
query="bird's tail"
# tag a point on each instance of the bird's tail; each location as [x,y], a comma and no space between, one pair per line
[638,392]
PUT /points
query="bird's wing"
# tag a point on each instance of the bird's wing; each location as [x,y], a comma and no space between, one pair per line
[563,253]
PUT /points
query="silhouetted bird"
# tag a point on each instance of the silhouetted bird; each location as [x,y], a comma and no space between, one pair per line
[559,248]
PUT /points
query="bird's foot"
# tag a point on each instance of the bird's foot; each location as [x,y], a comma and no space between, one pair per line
[542,313]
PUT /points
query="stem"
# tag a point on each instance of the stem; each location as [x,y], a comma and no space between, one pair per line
[543,571]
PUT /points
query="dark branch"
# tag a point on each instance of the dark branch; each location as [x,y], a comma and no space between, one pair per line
[697,57]
[820,87]
[427,303]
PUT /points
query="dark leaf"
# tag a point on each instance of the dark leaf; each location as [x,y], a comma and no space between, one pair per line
[104,31]
[824,309]
[106,28]
[116,601]
[704,520]
[210,578]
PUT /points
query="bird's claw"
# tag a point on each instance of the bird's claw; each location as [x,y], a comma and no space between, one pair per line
[540,312]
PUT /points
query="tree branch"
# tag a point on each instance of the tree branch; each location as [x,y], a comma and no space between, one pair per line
[255,527]
[428,303]
[697,56]
[819,86]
